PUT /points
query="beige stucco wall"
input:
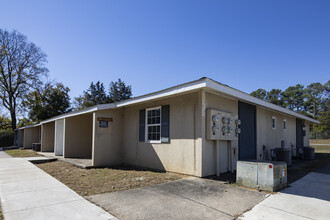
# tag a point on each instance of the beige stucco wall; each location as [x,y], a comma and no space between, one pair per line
[20,138]
[78,136]
[32,135]
[47,137]
[225,104]
[183,153]
[272,138]
[59,137]
[107,142]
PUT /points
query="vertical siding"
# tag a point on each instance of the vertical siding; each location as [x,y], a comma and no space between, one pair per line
[272,138]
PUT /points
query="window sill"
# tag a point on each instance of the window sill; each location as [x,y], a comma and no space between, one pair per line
[153,142]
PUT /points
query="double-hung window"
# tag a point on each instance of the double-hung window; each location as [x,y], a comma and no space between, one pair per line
[153,124]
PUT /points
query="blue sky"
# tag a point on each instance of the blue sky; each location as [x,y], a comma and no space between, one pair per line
[155,44]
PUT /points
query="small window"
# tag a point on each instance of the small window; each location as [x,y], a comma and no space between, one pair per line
[284,124]
[153,122]
[273,122]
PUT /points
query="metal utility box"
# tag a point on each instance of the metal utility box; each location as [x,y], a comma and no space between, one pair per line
[221,125]
[263,175]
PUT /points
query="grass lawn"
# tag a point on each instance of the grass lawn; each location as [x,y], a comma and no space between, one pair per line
[102,180]
[319,141]
[324,146]
[22,153]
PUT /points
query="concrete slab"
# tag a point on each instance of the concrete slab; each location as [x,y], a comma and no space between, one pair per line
[261,212]
[3,154]
[29,185]
[40,159]
[189,198]
[307,198]
[27,192]
[79,162]
[62,211]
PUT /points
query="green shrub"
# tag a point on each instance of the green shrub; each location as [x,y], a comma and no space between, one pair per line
[6,138]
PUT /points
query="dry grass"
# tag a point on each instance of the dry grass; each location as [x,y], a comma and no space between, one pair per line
[325,149]
[319,141]
[102,180]
[22,153]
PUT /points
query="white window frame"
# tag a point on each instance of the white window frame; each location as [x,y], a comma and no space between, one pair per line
[275,122]
[285,124]
[160,125]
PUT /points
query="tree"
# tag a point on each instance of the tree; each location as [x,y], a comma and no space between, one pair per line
[259,93]
[293,97]
[118,91]
[24,122]
[47,102]
[314,95]
[5,123]
[94,95]
[21,67]
[275,96]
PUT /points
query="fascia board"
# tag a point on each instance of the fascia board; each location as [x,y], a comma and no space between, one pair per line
[245,97]
[165,93]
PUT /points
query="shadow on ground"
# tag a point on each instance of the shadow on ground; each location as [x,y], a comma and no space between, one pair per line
[301,168]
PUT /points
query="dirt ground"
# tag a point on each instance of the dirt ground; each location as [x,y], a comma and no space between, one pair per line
[101,180]
[22,153]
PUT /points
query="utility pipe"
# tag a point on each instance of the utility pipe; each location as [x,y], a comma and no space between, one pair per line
[217,147]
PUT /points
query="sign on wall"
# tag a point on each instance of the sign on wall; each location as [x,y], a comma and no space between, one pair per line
[104,122]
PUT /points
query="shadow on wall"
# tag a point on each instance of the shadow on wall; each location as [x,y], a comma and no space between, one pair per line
[145,156]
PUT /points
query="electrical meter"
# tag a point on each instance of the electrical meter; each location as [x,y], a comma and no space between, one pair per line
[225,129]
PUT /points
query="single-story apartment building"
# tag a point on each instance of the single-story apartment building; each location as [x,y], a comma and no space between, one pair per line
[197,128]
[26,136]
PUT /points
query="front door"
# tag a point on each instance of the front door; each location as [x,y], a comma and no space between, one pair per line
[247,139]
[299,136]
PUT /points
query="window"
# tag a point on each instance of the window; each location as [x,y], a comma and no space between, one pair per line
[284,124]
[154,125]
[273,122]
[153,122]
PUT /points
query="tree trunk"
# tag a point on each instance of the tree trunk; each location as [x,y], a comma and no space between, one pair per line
[13,120]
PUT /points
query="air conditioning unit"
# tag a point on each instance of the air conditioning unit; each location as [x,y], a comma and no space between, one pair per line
[262,175]
[308,153]
[283,154]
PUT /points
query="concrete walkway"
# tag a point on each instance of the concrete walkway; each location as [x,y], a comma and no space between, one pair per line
[27,192]
[307,198]
[188,198]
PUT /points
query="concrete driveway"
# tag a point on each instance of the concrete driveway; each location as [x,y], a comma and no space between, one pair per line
[189,198]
